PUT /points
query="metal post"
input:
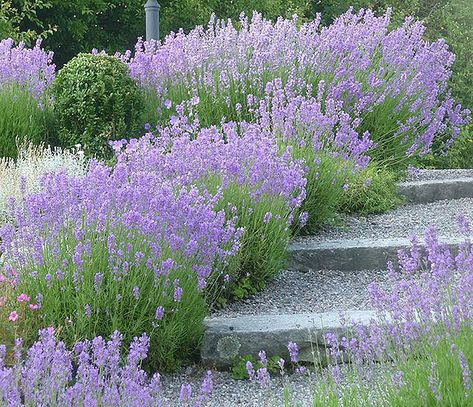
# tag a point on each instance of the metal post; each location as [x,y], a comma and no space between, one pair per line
[152,20]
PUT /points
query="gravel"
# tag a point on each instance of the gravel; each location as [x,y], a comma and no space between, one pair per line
[326,290]
[293,292]
[402,222]
[427,175]
[230,392]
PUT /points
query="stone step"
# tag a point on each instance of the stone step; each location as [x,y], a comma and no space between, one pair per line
[226,339]
[437,190]
[350,255]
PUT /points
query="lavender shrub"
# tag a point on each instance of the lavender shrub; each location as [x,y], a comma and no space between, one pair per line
[94,372]
[424,332]
[392,81]
[261,187]
[25,114]
[117,250]
[31,68]
[420,349]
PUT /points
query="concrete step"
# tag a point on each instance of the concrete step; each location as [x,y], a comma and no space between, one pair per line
[436,190]
[226,339]
[350,255]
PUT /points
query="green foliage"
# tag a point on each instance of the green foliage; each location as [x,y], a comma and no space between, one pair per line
[324,190]
[371,190]
[434,377]
[461,152]
[460,155]
[239,371]
[439,363]
[455,24]
[263,245]
[114,304]
[19,20]
[187,14]
[96,101]
[22,120]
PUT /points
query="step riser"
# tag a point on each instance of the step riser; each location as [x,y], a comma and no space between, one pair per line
[351,255]
[227,339]
[419,192]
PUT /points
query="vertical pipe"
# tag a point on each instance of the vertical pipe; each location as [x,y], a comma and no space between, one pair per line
[152,20]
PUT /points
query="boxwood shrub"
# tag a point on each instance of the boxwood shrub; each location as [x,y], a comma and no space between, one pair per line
[96,100]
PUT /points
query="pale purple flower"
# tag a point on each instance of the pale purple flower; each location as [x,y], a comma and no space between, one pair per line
[250,370]
[136,292]
[466,373]
[186,392]
[177,294]
[88,311]
[293,351]
[159,313]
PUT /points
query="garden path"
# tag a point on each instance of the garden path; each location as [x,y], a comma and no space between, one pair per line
[309,295]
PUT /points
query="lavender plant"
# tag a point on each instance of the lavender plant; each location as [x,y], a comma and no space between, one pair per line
[261,187]
[31,68]
[25,114]
[117,250]
[418,352]
[423,334]
[393,82]
[93,372]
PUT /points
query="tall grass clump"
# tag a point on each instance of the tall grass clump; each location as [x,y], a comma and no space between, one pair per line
[25,108]
[22,120]
[370,190]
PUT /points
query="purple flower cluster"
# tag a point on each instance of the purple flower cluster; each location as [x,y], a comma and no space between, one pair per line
[29,67]
[93,373]
[134,252]
[427,292]
[106,201]
[357,65]
[241,154]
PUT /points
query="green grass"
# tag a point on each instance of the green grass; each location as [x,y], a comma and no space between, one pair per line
[371,190]
[22,120]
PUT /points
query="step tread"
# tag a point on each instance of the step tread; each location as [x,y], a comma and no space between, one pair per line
[468,180]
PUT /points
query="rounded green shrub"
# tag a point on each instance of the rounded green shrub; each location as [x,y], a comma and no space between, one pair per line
[22,120]
[96,100]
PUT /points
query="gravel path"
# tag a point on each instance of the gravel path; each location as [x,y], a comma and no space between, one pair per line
[402,222]
[293,292]
[229,392]
[326,290]
[426,175]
